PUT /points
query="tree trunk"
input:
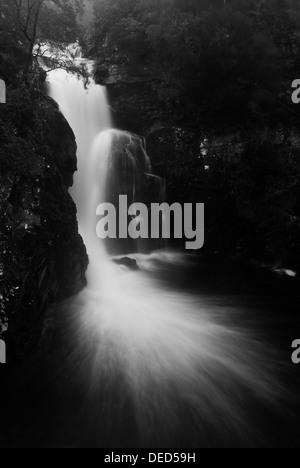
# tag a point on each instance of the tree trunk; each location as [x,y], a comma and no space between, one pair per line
[28,63]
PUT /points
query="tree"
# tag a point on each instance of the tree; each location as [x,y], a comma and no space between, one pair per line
[30,25]
[213,59]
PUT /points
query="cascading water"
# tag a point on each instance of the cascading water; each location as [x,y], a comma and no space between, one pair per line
[153,366]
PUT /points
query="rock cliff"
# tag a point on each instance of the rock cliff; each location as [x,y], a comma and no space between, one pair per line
[42,256]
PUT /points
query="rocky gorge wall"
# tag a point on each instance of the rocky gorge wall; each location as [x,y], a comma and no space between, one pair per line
[244,170]
[42,256]
[139,106]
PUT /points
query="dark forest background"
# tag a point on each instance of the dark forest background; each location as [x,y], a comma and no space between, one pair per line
[209,84]
[206,82]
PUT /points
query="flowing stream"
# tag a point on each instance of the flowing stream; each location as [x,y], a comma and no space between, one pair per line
[140,358]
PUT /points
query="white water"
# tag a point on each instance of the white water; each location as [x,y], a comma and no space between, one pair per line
[186,371]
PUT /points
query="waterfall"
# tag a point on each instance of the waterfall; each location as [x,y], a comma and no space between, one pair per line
[88,114]
[154,366]
[110,163]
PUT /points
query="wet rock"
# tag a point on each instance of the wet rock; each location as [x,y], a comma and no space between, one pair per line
[169,144]
[132,94]
[129,263]
[43,258]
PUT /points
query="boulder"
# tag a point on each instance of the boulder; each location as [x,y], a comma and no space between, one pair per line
[129,263]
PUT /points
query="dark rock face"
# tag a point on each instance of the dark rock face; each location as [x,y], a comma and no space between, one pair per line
[139,106]
[133,96]
[43,258]
[169,145]
[243,170]
[130,173]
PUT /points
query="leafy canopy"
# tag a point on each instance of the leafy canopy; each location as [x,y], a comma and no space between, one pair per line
[214,57]
[26,24]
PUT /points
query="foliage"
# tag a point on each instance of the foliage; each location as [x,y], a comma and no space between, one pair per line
[216,59]
[221,67]
[25,25]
